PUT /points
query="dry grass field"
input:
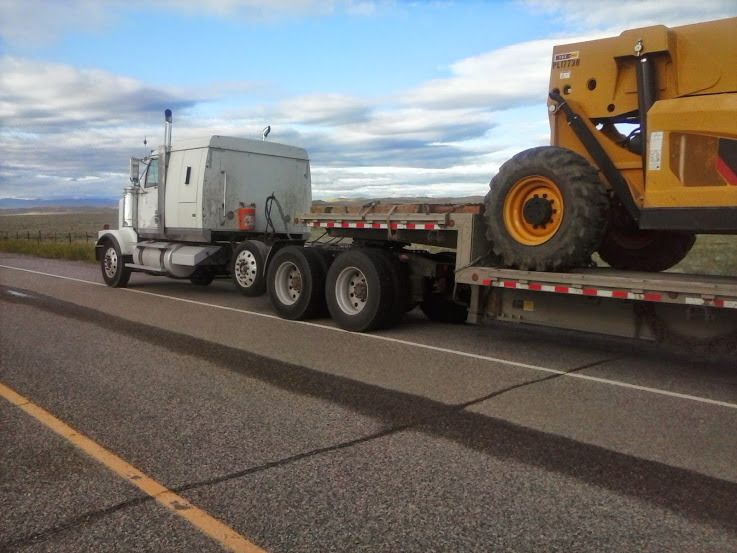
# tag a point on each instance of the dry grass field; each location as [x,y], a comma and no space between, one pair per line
[78,222]
[711,255]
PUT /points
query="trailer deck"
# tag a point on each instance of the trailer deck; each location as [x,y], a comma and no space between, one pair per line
[605,300]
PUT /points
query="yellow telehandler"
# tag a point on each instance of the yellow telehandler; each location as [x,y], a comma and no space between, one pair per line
[643,154]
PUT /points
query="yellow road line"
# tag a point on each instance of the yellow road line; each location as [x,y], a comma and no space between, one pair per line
[204,522]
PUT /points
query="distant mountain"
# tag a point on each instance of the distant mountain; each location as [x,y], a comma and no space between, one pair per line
[15,203]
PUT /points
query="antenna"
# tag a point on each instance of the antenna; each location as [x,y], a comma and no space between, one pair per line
[266,132]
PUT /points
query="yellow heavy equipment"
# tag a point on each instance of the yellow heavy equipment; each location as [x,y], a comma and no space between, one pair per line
[643,154]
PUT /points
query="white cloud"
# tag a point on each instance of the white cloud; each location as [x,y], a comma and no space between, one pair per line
[41,94]
[325,109]
[39,22]
[585,16]
[513,75]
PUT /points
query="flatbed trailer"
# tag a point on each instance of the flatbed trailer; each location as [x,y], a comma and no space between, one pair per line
[651,306]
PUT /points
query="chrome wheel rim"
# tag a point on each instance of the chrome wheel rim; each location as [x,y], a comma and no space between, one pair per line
[111,262]
[288,283]
[351,291]
[246,269]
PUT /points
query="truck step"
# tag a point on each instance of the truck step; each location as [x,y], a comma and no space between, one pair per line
[146,268]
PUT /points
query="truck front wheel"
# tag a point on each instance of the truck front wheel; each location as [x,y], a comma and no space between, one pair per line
[247,268]
[114,271]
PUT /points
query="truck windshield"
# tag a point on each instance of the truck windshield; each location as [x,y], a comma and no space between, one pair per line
[152,174]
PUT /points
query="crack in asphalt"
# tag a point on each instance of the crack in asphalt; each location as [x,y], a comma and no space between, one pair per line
[685,492]
[96,515]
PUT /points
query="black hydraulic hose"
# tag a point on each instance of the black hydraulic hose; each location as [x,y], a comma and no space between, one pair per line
[606,166]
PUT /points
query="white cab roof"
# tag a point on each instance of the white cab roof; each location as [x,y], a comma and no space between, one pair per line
[242,145]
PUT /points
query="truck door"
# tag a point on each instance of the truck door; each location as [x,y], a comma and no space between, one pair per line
[189,208]
[148,200]
[183,189]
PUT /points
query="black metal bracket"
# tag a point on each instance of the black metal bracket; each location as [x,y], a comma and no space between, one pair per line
[599,155]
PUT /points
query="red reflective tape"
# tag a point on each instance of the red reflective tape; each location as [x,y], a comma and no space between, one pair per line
[561,289]
[510,284]
[589,291]
[316,224]
[331,224]
[535,286]
[650,296]
[345,225]
[718,302]
[410,226]
[359,225]
[375,225]
[486,282]
[621,294]
[726,171]
[429,226]
[394,226]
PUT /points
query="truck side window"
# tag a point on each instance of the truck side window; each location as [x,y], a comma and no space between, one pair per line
[152,174]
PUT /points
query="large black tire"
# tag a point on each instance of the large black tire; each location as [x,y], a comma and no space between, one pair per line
[442,309]
[400,275]
[546,210]
[247,268]
[631,249]
[296,283]
[112,264]
[360,290]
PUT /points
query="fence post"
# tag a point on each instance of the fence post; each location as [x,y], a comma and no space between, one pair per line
[39,236]
[70,237]
[28,235]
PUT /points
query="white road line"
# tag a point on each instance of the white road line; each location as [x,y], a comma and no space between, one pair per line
[459,353]
[19,294]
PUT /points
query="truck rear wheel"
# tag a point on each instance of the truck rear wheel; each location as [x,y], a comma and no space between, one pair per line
[360,290]
[645,250]
[296,283]
[247,268]
[114,271]
[546,210]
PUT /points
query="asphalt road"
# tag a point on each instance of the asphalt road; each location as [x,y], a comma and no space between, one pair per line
[301,437]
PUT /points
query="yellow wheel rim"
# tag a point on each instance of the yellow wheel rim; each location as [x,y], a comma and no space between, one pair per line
[533,210]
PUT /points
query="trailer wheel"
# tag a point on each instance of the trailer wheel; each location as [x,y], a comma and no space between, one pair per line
[114,271]
[402,303]
[202,277]
[247,268]
[442,309]
[360,290]
[546,210]
[296,283]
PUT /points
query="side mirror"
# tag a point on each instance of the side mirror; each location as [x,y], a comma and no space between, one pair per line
[134,168]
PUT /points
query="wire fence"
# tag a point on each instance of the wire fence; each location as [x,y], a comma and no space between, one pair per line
[40,236]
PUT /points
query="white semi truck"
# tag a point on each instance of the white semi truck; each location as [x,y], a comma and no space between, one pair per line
[238,208]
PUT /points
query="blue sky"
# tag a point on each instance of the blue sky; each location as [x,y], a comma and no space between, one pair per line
[390,98]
